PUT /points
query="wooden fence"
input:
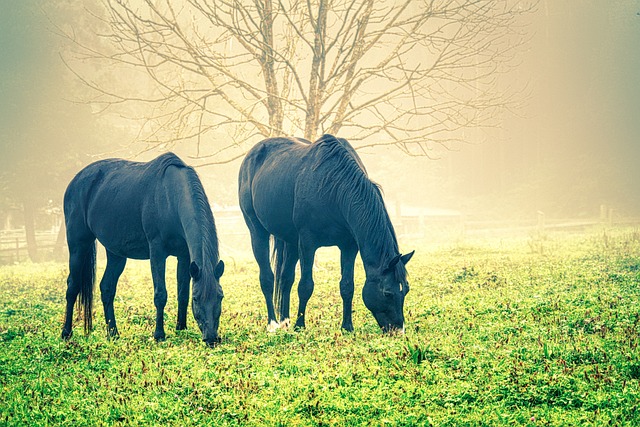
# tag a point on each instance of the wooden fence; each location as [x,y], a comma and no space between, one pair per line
[13,245]
[235,241]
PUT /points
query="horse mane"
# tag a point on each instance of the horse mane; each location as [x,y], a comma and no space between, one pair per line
[209,233]
[210,254]
[358,196]
[163,161]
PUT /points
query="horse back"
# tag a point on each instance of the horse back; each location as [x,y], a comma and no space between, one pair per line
[324,187]
[267,180]
[114,200]
[281,185]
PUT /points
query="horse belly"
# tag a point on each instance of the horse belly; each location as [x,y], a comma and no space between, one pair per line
[319,219]
[273,206]
[278,222]
[117,224]
[126,245]
[324,231]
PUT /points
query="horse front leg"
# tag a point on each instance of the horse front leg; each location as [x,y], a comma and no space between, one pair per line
[184,282]
[158,264]
[347,262]
[305,286]
[108,284]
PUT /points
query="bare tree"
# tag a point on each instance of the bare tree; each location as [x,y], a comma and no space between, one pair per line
[409,73]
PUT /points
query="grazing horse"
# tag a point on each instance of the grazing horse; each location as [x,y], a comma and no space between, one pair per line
[143,211]
[307,195]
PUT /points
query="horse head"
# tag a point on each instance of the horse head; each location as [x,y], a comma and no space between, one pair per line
[384,292]
[207,301]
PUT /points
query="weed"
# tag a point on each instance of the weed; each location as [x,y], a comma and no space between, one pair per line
[543,332]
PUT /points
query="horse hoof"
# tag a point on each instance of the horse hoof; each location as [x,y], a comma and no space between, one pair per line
[214,342]
[160,338]
[273,326]
[286,323]
[299,326]
[66,334]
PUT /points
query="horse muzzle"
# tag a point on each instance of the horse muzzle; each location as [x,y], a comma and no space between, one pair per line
[393,330]
[212,342]
[392,325]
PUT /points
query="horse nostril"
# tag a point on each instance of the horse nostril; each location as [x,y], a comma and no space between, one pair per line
[212,342]
[393,330]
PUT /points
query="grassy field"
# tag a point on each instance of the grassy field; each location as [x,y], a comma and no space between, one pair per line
[538,331]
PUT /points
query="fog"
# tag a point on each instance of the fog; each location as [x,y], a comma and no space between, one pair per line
[569,152]
[572,147]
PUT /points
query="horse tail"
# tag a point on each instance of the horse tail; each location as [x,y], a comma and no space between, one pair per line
[87,286]
[277,258]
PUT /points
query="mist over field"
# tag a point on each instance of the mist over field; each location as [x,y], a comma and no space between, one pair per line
[568,149]
[505,137]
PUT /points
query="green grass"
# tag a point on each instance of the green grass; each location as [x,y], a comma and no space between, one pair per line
[538,331]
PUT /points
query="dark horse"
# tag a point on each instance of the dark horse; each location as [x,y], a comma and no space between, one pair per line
[143,211]
[311,195]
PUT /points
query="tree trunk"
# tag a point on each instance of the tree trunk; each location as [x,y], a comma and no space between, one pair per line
[267,62]
[59,248]
[30,230]
[316,80]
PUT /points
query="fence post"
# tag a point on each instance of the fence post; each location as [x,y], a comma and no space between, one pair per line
[541,221]
[17,250]
[603,213]
[610,216]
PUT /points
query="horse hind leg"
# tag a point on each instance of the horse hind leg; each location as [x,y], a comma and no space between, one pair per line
[285,276]
[108,285]
[305,286]
[81,277]
[260,247]
[73,289]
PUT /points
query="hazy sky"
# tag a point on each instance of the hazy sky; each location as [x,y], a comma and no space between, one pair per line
[574,145]
[585,101]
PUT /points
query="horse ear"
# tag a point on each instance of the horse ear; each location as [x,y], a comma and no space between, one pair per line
[217,273]
[406,258]
[393,262]
[194,270]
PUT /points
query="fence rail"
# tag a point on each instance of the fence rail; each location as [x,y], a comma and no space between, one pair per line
[13,245]
[234,236]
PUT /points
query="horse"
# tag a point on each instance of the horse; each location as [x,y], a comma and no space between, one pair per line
[307,195]
[143,210]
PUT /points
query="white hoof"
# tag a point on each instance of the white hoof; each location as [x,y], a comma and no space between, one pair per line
[273,326]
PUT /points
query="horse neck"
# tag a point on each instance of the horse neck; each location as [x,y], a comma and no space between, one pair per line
[195,241]
[199,232]
[374,235]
